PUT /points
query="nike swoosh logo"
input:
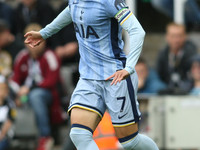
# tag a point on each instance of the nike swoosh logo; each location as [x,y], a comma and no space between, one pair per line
[120,117]
[75,2]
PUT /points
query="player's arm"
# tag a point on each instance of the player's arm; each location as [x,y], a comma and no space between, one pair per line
[136,36]
[128,21]
[34,38]
[63,19]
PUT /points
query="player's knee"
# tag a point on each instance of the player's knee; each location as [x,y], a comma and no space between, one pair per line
[80,133]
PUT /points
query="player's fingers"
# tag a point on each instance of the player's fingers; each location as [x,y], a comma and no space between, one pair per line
[118,80]
[31,45]
[28,34]
[27,41]
[38,42]
[113,81]
[110,77]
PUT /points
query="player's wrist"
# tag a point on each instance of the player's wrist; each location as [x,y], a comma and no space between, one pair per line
[43,35]
[129,70]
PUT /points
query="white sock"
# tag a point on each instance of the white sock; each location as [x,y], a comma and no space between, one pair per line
[81,136]
[138,142]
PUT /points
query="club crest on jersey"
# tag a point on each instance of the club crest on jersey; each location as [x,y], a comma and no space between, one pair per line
[75,2]
[81,17]
[85,34]
[119,4]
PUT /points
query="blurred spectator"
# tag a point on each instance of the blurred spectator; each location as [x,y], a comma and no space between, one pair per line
[195,73]
[8,42]
[36,75]
[7,114]
[148,80]
[33,11]
[6,12]
[5,63]
[192,10]
[172,63]
[164,6]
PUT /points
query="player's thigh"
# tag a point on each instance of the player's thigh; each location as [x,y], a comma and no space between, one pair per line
[86,105]
[122,132]
[85,117]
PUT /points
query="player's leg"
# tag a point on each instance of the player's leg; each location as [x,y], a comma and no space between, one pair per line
[86,109]
[123,107]
[131,140]
[83,122]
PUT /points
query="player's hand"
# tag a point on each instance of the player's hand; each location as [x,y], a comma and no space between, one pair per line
[33,38]
[118,76]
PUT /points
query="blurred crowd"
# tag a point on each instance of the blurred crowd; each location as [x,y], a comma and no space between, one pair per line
[43,78]
[175,72]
